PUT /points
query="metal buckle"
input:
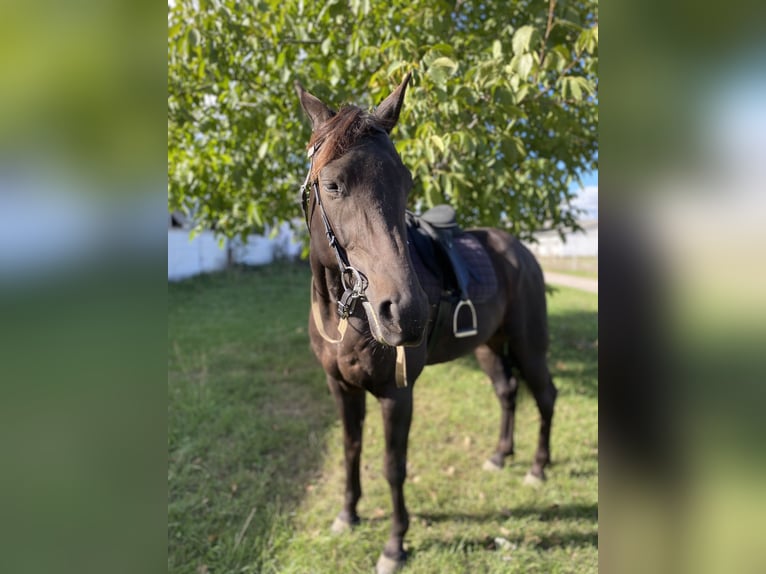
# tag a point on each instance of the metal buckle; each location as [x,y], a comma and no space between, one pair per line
[347,303]
[356,282]
[465,332]
[354,290]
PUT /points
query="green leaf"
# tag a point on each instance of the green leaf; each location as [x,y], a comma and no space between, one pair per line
[522,93]
[445,62]
[587,40]
[572,88]
[575,88]
[525,65]
[193,37]
[174,31]
[395,67]
[523,39]
[497,49]
[443,48]
[441,69]
[430,155]
[263,149]
[254,214]
[438,142]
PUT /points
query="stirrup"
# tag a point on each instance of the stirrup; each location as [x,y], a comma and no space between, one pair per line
[473,330]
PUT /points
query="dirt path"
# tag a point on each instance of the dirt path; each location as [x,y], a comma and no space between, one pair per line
[571,281]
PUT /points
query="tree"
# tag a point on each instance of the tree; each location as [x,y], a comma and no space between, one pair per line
[500,118]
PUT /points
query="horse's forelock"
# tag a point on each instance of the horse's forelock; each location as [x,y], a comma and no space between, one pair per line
[339,133]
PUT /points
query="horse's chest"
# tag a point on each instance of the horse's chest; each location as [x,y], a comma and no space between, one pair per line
[360,367]
[365,367]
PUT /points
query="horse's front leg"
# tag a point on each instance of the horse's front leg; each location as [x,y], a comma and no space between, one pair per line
[397,416]
[351,407]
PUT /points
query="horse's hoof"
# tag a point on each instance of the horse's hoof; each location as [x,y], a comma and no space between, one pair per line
[340,526]
[388,565]
[533,480]
[491,465]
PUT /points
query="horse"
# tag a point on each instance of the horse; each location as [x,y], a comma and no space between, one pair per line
[370,314]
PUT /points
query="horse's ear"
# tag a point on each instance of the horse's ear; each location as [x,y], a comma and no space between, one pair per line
[388,110]
[315,109]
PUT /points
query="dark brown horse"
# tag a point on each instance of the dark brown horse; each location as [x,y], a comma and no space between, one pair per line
[370,314]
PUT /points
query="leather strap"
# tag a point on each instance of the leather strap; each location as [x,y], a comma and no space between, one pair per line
[342,324]
[401,367]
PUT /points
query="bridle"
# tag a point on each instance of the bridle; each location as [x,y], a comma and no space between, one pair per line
[354,281]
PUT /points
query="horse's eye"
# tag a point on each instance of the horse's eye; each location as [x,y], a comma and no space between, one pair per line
[332,187]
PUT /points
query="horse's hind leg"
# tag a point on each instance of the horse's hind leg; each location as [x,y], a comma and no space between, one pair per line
[538,378]
[498,369]
[351,407]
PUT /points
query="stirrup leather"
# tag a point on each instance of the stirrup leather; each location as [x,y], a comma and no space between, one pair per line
[473,330]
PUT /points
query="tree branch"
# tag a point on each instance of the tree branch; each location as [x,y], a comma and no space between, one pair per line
[548,28]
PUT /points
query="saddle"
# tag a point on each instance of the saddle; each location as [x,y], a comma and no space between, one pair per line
[457,268]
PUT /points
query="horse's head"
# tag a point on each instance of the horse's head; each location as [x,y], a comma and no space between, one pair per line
[360,197]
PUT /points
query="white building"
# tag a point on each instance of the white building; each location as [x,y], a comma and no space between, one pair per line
[578,244]
[205,253]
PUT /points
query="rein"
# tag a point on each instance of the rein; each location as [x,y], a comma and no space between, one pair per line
[354,281]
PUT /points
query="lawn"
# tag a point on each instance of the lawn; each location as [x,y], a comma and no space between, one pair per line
[255,451]
[580,266]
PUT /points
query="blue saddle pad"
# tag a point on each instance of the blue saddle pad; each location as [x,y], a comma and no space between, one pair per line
[435,271]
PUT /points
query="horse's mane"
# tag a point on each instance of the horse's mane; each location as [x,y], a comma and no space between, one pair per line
[338,134]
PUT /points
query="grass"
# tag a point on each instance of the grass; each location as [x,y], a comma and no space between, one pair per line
[579,266]
[255,457]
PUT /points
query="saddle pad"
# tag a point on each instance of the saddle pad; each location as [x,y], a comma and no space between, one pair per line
[429,281]
[483,282]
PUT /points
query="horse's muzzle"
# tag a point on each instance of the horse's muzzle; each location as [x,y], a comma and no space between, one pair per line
[399,322]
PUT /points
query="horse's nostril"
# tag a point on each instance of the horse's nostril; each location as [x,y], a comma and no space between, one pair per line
[385,311]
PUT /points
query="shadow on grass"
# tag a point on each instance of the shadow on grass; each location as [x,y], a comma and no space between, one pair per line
[248,412]
[573,352]
[568,539]
[573,355]
[544,514]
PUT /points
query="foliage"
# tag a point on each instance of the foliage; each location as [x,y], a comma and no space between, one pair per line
[255,471]
[500,117]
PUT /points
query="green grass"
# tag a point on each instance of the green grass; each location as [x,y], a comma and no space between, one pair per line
[255,452]
[578,266]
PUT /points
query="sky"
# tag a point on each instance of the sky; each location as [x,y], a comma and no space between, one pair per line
[587,196]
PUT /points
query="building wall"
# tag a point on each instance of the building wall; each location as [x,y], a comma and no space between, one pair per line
[204,254]
[581,244]
[188,257]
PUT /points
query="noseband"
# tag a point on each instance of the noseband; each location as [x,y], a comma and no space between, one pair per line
[354,281]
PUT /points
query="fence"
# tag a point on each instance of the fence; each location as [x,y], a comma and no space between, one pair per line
[204,253]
